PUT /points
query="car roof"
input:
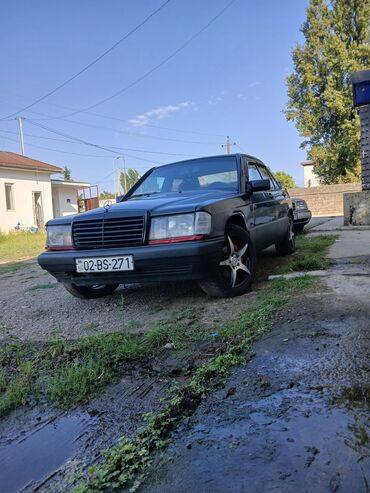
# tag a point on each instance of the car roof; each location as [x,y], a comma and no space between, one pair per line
[236,155]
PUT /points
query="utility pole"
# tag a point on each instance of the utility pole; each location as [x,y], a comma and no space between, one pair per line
[117,176]
[228,145]
[124,175]
[20,125]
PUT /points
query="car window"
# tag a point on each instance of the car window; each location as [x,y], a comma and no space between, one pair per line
[266,176]
[277,185]
[197,174]
[253,172]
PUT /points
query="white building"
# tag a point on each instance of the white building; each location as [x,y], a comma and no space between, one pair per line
[65,198]
[310,179]
[28,195]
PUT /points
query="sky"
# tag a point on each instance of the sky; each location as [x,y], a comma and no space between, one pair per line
[228,80]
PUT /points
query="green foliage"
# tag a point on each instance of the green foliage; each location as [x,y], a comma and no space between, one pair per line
[129,179]
[320,94]
[67,173]
[106,195]
[285,179]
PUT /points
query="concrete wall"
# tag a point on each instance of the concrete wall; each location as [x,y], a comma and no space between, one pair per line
[325,200]
[25,182]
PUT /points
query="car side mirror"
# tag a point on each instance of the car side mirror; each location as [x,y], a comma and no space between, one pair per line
[258,185]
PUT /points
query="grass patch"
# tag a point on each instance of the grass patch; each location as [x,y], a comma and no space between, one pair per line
[49,285]
[310,254]
[21,245]
[11,267]
[71,372]
[15,391]
[125,464]
[78,382]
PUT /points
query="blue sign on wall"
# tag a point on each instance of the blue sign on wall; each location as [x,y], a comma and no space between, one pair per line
[362,93]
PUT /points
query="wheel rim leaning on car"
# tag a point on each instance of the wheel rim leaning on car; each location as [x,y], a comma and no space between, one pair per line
[236,267]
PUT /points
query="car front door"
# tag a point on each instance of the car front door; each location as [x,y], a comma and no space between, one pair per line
[263,208]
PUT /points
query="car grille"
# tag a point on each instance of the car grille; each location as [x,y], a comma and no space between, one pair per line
[108,232]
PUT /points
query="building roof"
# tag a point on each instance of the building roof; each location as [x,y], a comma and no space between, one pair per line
[307,163]
[70,183]
[17,161]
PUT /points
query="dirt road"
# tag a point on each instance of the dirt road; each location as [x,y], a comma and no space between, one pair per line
[295,418]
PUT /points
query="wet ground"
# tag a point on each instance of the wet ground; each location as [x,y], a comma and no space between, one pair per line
[293,419]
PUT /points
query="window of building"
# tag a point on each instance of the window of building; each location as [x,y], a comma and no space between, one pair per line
[9,196]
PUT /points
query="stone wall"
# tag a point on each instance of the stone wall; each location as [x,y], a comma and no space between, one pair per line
[325,200]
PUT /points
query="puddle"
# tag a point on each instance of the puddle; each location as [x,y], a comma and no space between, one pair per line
[33,457]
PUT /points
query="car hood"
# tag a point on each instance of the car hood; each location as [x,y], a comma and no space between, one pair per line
[161,204]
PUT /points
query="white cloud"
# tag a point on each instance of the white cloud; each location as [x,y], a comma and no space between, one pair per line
[159,113]
[254,84]
[215,100]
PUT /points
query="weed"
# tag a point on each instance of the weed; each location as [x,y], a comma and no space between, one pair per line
[17,389]
[77,382]
[2,380]
[12,267]
[49,285]
[310,254]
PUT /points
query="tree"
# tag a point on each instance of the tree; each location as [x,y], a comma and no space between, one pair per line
[319,90]
[106,195]
[285,179]
[132,176]
[67,173]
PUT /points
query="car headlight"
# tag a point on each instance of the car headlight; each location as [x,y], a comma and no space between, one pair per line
[300,205]
[181,227]
[58,236]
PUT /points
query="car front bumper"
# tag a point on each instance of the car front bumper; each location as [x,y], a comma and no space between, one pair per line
[302,217]
[165,262]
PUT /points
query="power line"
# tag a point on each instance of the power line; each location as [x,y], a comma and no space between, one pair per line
[136,134]
[96,60]
[145,151]
[58,150]
[82,141]
[153,69]
[109,117]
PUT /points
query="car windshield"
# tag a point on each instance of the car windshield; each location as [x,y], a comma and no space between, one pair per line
[218,173]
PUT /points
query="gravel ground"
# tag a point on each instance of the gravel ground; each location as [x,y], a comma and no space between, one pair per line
[33,306]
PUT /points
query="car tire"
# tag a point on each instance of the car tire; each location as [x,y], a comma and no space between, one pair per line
[298,228]
[287,245]
[236,271]
[90,292]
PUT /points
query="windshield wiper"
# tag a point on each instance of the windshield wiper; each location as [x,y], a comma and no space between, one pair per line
[147,194]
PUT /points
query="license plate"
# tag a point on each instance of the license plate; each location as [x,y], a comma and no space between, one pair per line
[105,264]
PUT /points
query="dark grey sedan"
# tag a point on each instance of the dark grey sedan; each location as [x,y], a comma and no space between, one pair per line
[302,214]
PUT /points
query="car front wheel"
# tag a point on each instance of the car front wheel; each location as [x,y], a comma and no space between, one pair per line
[236,268]
[90,292]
